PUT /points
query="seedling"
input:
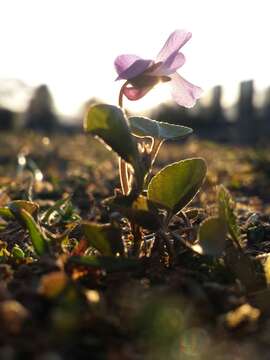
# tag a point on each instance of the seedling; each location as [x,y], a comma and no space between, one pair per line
[142,211]
[148,202]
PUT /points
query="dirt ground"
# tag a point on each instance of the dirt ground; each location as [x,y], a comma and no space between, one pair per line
[197,309]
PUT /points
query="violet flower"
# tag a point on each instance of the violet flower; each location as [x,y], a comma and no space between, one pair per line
[142,75]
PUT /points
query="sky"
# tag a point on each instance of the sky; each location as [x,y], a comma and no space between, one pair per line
[71,44]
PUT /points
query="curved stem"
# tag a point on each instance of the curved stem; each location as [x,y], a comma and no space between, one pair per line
[123,169]
[156,145]
[123,174]
[121,94]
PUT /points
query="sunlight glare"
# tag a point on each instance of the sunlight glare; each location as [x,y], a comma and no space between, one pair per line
[159,94]
[74,52]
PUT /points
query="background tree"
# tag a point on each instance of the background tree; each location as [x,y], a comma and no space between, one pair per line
[40,114]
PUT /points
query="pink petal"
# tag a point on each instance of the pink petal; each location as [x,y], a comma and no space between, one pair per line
[133,93]
[174,62]
[183,92]
[130,66]
[174,43]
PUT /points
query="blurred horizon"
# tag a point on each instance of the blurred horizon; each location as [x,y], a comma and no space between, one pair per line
[15,95]
[71,46]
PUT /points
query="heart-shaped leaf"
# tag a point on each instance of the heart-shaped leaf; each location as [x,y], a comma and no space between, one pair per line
[104,237]
[110,264]
[109,123]
[176,185]
[143,127]
[212,236]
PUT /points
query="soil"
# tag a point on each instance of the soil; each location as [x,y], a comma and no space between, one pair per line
[196,309]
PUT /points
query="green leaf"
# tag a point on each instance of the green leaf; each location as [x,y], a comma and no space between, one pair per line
[239,263]
[6,214]
[110,264]
[139,210]
[109,123]
[29,206]
[143,127]
[243,267]
[56,208]
[106,238]
[61,211]
[17,252]
[212,236]
[144,213]
[39,240]
[226,212]
[176,185]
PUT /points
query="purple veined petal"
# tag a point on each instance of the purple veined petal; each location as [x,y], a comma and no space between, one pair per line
[173,63]
[123,62]
[173,44]
[130,66]
[135,93]
[183,92]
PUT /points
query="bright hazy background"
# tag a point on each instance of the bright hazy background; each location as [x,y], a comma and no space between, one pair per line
[71,44]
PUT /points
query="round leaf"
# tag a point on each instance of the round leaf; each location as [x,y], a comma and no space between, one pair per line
[212,236]
[143,126]
[175,185]
[109,123]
